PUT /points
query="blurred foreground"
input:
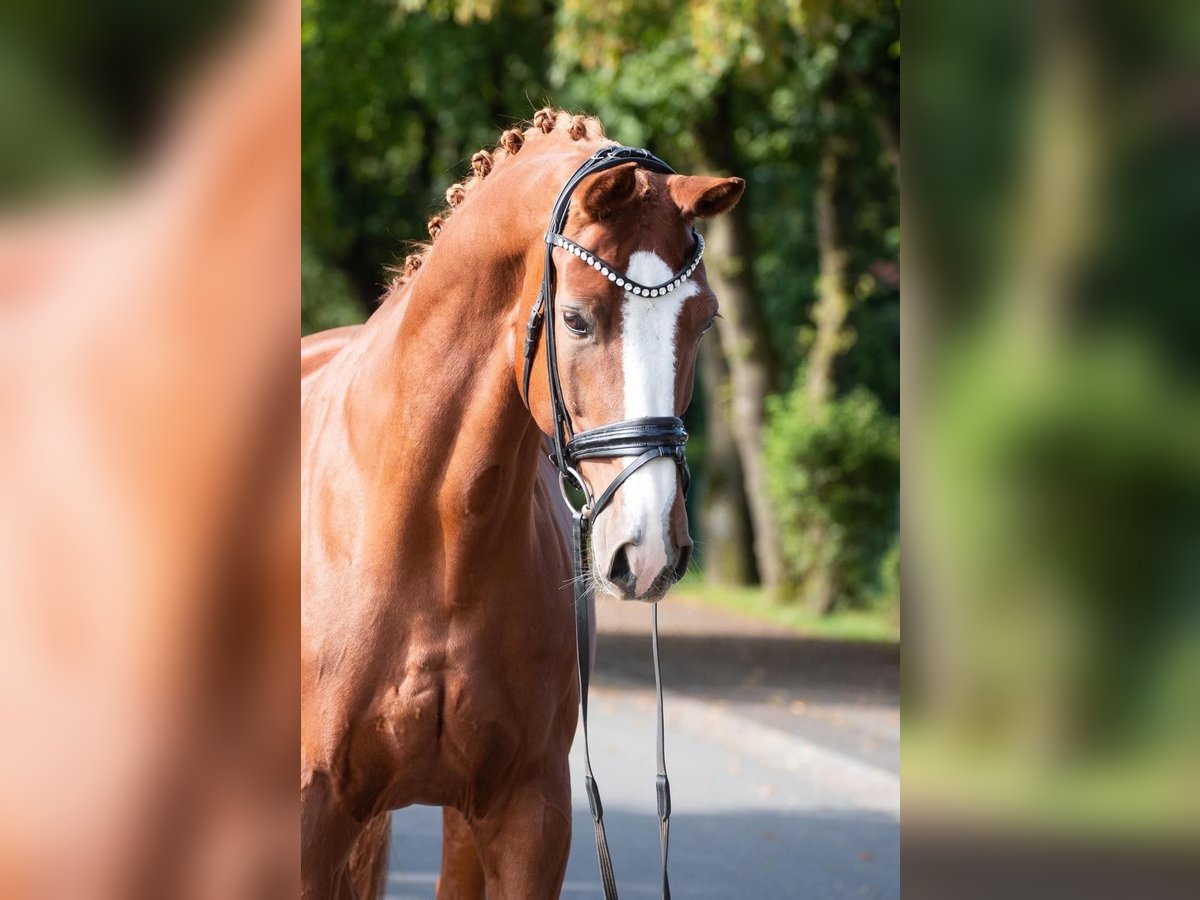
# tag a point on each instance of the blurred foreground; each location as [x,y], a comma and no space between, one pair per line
[149,285]
[1052,451]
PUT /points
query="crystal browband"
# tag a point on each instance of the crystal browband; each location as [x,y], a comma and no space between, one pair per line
[609,271]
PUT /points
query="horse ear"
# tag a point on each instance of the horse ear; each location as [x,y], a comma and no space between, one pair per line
[607,192]
[704,196]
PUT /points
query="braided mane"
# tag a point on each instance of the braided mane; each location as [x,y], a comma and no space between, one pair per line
[545,121]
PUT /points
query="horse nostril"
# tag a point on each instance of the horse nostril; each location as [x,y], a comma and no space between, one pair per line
[685,558]
[619,572]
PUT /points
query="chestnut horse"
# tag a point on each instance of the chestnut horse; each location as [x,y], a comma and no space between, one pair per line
[438,654]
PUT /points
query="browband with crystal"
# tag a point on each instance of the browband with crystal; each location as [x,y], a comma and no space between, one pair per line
[613,274]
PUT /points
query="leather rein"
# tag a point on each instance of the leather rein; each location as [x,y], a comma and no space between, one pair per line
[643,440]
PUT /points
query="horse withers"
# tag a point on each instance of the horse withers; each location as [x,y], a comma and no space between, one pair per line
[438,651]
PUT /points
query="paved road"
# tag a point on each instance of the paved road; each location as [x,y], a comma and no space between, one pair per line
[784,762]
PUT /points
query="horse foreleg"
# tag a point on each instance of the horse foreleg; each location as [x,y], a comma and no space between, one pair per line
[525,841]
[327,834]
[368,862]
[462,872]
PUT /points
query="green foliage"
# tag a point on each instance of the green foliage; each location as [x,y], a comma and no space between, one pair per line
[834,474]
[788,75]
[396,99]
[886,596]
[327,298]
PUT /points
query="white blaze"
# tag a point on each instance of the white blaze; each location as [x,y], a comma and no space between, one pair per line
[648,329]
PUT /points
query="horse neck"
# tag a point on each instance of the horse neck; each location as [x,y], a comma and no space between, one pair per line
[433,408]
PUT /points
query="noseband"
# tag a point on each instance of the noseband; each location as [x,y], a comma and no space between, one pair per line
[642,440]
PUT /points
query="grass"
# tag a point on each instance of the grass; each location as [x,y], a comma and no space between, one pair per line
[874,626]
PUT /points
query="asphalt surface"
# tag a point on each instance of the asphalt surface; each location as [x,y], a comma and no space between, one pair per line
[783,754]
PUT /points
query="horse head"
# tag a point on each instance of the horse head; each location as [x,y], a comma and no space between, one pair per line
[627,353]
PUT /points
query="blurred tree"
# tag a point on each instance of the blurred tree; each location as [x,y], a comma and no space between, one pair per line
[396,99]
[751,359]
[752,89]
[725,520]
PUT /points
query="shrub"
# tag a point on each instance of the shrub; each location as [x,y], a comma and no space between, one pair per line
[886,595]
[834,476]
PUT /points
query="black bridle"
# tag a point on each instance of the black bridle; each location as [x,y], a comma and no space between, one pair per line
[644,440]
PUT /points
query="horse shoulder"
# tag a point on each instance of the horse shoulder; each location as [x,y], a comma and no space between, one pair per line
[317,349]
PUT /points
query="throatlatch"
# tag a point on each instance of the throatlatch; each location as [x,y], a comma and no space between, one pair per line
[645,440]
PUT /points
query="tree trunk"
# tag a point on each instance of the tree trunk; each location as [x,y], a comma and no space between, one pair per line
[833,298]
[745,340]
[726,550]
[829,317]
[752,376]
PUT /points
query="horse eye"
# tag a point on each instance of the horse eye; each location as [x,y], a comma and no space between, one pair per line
[708,326]
[576,324]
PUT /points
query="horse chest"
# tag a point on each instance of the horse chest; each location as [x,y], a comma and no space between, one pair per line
[451,728]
